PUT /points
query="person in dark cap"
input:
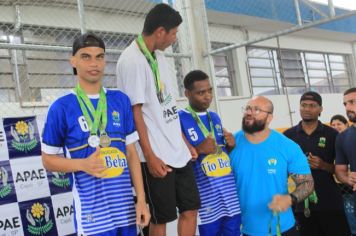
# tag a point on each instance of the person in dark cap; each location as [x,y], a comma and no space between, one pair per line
[322,213]
[95,130]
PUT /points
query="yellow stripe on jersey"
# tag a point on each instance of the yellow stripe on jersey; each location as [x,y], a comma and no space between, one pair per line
[86,145]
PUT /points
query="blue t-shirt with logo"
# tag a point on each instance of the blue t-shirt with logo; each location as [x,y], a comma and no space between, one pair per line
[216,184]
[101,204]
[261,171]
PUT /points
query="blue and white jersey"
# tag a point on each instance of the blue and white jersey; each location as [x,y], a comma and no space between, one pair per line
[261,171]
[101,204]
[215,182]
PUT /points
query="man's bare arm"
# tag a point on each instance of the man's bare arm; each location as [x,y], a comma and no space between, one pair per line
[92,165]
[304,186]
[155,165]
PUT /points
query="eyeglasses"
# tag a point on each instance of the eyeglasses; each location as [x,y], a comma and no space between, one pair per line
[254,110]
[306,105]
[351,102]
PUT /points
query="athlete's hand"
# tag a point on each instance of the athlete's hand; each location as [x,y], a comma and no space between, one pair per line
[315,162]
[280,203]
[229,139]
[157,167]
[208,146]
[143,215]
[93,165]
[352,180]
[193,153]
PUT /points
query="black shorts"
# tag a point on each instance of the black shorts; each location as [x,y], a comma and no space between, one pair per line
[177,189]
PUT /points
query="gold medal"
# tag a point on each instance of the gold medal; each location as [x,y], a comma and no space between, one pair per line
[105,140]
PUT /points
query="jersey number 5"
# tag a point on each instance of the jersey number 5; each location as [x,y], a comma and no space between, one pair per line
[193,134]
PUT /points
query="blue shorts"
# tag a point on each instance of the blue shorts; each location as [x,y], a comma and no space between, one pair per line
[130,230]
[225,226]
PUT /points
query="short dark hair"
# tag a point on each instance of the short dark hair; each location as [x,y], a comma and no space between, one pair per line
[350,90]
[340,118]
[191,77]
[161,15]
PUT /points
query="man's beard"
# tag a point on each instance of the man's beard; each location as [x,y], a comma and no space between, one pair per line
[351,115]
[257,125]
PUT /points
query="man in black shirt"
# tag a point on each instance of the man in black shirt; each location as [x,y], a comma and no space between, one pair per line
[327,216]
[346,144]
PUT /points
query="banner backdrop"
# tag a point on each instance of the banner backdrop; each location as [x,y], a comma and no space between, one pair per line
[33,201]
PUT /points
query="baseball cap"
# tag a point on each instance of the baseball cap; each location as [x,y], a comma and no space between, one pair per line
[86,40]
[312,96]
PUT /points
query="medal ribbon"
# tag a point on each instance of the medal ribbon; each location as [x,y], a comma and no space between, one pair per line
[100,114]
[153,64]
[278,226]
[201,125]
[312,198]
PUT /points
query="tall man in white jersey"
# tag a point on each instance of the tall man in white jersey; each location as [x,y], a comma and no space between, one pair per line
[143,74]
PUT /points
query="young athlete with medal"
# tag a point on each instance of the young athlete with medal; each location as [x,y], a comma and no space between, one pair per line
[94,128]
[220,211]
[143,74]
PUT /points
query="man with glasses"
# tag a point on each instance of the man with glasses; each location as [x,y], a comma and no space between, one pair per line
[345,144]
[261,162]
[322,214]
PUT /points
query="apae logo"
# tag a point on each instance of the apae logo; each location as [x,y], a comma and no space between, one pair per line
[272,163]
[39,219]
[5,188]
[10,224]
[60,179]
[64,213]
[23,134]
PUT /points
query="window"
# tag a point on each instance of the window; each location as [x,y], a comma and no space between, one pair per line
[271,70]
[224,71]
[263,71]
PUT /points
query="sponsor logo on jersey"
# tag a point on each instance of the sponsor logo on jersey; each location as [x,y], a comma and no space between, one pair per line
[116,118]
[114,160]
[216,165]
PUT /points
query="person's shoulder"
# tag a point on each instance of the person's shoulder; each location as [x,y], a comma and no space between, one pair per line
[289,132]
[117,94]
[183,114]
[348,133]
[330,130]
[282,139]
[63,101]
[214,114]
[239,134]
[130,53]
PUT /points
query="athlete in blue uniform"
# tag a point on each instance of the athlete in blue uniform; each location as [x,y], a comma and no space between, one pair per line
[95,129]
[220,209]
[261,162]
